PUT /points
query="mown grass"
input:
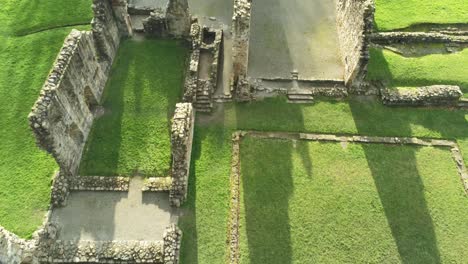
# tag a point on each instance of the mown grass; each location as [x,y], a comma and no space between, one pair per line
[399,71]
[39,15]
[133,135]
[311,202]
[204,222]
[391,14]
[25,170]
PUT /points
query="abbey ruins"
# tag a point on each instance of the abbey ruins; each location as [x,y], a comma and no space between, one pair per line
[232,58]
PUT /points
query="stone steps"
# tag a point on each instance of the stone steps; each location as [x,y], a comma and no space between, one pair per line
[300,96]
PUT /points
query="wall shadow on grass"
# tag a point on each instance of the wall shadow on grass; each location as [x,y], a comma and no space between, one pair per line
[265,192]
[401,192]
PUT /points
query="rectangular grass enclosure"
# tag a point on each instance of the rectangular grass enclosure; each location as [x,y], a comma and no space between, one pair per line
[132,134]
[313,201]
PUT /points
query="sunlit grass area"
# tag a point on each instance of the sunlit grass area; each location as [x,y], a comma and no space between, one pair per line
[133,135]
[311,202]
[204,222]
[399,71]
[391,14]
[25,170]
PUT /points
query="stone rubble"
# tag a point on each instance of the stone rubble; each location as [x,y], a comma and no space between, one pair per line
[157,184]
[422,96]
[100,183]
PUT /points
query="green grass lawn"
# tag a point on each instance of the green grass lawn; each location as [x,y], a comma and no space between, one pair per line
[394,14]
[25,170]
[311,202]
[399,71]
[133,136]
[204,222]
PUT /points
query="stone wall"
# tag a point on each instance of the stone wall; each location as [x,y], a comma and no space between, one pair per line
[178,18]
[14,250]
[240,48]
[172,240]
[422,96]
[106,30]
[181,139]
[157,184]
[174,21]
[388,38]
[355,20]
[99,183]
[63,114]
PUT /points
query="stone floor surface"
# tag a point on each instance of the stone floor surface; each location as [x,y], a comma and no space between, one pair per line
[105,216]
[294,35]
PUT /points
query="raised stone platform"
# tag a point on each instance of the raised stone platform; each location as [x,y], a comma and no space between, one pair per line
[297,36]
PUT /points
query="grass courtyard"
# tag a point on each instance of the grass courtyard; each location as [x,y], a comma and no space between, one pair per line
[399,71]
[312,202]
[392,15]
[396,204]
[205,222]
[132,137]
[26,171]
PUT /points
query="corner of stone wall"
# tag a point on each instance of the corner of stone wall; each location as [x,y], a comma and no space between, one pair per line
[14,250]
[172,240]
[355,22]
[181,139]
[240,49]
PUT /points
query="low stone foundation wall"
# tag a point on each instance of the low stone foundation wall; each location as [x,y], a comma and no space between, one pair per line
[181,139]
[46,249]
[104,252]
[388,38]
[172,240]
[422,96]
[100,183]
[158,184]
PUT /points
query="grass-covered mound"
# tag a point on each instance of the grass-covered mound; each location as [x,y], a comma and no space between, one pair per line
[205,218]
[133,135]
[25,170]
[311,202]
[395,14]
[399,71]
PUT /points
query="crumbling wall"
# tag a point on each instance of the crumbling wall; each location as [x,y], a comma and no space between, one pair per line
[178,18]
[240,48]
[355,20]
[14,250]
[422,96]
[106,30]
[181,139]
[172,240]
[63,114]
[174,21]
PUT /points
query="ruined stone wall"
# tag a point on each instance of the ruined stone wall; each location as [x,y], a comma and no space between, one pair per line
[178,18]
[181,139]
[422,96]
[355,20]
[63,114]
[14,250]
[106,30]
[240,48]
